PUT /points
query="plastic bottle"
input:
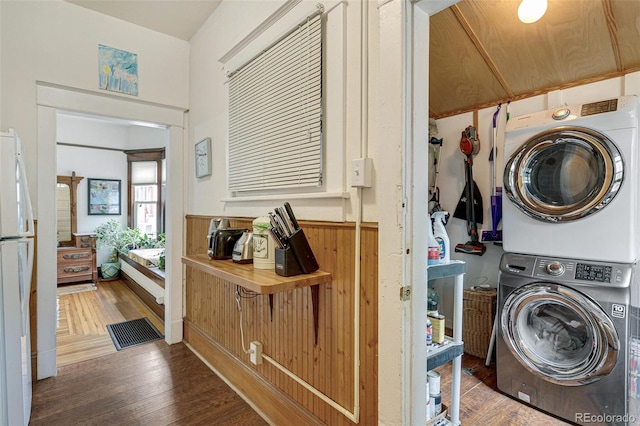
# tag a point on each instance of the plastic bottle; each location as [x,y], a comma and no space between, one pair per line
[429,332]
[432,301]
[433,256]
[434,393]
[440,234]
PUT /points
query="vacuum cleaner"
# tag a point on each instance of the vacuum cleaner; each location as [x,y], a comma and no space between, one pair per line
[469,145]
[494,235]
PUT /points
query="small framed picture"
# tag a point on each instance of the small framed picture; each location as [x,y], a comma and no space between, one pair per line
[203,157]
[104,196]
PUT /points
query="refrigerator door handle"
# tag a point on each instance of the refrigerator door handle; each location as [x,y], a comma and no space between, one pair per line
[26,287]
[29,232]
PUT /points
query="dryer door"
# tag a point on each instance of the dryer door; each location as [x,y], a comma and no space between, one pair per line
[564,174]
[559,334]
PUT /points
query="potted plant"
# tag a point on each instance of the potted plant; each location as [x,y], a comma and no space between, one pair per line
[109,235]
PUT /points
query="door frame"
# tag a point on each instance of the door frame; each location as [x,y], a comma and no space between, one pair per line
[51,98]
[415,171]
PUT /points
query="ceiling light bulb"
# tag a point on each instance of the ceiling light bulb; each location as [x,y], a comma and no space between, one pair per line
[530,11]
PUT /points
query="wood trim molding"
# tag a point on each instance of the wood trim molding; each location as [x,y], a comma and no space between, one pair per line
[367,225]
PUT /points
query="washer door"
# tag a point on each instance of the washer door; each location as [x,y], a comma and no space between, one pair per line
[564,174]
[559,334]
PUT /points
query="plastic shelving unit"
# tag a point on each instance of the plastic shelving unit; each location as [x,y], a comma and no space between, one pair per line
[453,349]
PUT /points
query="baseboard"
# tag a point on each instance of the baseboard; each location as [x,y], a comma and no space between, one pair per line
[275,406]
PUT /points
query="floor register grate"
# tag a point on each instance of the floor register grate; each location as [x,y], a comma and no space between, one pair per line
[132,333]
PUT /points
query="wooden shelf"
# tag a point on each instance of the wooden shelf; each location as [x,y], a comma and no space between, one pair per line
[261,281]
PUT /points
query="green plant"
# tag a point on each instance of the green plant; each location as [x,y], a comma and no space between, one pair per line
[161,261]
[108,235]
[122,239]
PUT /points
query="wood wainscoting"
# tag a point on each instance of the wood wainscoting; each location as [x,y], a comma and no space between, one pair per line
[212,325]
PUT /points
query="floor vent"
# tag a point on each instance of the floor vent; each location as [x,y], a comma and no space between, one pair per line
[132,333]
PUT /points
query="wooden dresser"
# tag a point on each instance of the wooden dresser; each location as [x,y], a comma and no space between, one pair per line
[78,263]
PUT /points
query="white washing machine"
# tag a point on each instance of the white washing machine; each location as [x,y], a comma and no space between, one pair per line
[572,182]
[566,341]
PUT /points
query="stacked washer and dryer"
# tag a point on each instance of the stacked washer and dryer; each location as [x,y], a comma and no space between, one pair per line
[568,283]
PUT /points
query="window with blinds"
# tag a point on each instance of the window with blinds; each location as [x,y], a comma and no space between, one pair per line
[146,197]
[275,114]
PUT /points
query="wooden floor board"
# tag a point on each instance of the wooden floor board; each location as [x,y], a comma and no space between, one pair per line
[481,404]
[157,384]
[153,383]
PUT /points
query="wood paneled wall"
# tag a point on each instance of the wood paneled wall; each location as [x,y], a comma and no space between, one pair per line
[288,338]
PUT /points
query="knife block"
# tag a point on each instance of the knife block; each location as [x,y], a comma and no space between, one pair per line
[286,263]
[297,258]
[302,252]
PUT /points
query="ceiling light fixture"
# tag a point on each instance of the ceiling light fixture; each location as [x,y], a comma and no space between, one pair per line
[530,11]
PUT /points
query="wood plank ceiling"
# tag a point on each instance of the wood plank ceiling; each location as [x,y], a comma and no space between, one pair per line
[481,54]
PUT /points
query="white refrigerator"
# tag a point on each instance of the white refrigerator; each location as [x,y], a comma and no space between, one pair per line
[16,265]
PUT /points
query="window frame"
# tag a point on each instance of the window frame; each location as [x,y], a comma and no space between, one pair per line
[146,155]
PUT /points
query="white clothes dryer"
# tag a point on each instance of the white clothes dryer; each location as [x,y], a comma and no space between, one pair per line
[572,182]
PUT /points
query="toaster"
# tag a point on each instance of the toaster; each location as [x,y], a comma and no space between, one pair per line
[243,249]
[222,241]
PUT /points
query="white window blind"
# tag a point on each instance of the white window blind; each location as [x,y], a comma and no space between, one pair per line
[275,114]
[144,172]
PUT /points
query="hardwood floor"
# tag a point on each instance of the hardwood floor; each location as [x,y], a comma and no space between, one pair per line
[153,383]
[159,384]
[481,404]
[82,319]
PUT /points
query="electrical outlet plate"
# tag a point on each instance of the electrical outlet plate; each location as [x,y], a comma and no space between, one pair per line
[256,352]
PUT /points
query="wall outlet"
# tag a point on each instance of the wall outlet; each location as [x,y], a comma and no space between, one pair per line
[361,170]
[256,352]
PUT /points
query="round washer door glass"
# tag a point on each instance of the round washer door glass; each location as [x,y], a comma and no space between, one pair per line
[564,174]
[559,334]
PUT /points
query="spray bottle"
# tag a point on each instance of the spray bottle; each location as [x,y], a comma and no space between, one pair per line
[433,248]
[440,234]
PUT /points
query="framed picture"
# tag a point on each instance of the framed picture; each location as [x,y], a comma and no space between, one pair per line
[104,196]
[203,157]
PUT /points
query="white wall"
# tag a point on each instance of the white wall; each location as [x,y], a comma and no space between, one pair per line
[100,163]
[49,57]
[56,42]
[229,24]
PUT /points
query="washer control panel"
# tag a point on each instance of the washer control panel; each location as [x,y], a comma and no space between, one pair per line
[588,272]
[567,270]
[555,268]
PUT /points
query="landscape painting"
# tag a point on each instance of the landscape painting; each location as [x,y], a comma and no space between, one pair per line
[118,70]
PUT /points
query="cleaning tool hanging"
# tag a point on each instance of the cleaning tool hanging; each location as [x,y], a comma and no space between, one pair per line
[470,145]
[496,192]
[435,143]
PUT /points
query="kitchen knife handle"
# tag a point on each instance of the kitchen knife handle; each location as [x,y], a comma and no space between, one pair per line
[289,210]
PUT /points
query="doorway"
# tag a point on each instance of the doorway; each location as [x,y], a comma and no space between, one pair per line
[96,150]
[50,100]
